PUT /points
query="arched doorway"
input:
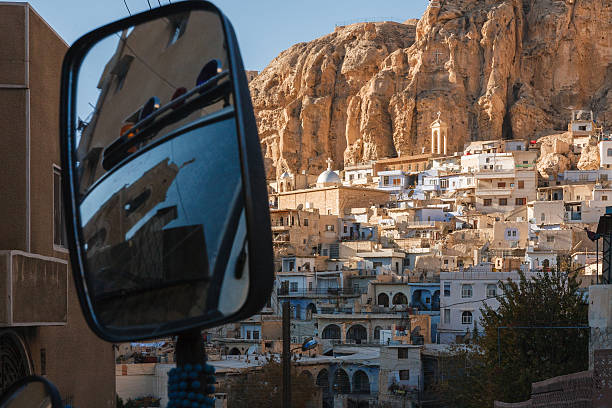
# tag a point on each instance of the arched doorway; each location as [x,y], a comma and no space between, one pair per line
[14,359]
[361,382]
[383,300]
[421,299]
[400,299]
[377,330]
[357,333]
[342,385]
[234,352]
[311,310]
[331,331]
[323,380]
[305,377]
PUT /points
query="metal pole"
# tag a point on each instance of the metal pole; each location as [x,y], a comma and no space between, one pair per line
[597,260]
[286,358]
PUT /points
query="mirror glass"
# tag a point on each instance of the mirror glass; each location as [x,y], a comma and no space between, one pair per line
[159,175]
[33,394]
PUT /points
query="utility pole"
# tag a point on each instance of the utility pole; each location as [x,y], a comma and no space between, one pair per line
[286,357]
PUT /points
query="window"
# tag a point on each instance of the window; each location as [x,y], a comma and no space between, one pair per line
[386,180]
[446,262]
[503,201]
[329,228]
[447,316]
[491,290]
[178,27]
[402,353]
[487,202]
[397,181]
[501,185]
[444,183]
[293,287]
[248,335]
[466,291]
[604,198]
[404,375]
[543,217]
[487,160]
[345,229]
[550,238]
[59,228]
[310,286]
[255,335]
[520,201]
[305,222]
[43,361]
[521,184]
[466,317]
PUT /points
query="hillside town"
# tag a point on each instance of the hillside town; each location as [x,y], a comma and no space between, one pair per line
[387,264]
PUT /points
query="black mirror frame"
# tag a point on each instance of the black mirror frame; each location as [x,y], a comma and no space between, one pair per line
[56,400]
[259,233]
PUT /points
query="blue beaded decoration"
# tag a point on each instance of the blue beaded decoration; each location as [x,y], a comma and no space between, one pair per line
[190,385]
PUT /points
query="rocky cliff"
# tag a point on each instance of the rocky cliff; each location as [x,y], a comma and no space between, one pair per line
[493,68]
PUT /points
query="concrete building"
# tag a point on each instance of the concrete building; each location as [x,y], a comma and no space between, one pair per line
[43,329]
[463,294]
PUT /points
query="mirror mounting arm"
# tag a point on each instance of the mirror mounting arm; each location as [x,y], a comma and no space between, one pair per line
[192,375]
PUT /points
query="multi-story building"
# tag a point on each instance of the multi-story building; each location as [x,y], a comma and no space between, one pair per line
[43,330]
[463,294]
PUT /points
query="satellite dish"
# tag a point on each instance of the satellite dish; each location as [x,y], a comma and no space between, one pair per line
[300,207]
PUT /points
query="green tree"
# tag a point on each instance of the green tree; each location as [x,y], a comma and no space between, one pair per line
[503,367]
[262,388]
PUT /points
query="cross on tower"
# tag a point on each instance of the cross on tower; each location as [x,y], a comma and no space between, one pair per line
[329,162]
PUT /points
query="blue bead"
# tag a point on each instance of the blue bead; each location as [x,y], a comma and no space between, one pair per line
[209,401]
[178,369]
[182,394]
[210,389]
[195,405]
[197,367]
[183,385]
[195,384]
[209,369]
[191,396]
[172,372]
[186,403]
[188,367]
[183,376]
[193,375]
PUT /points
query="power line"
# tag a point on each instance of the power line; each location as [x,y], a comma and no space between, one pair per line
[149,3]
[158,2]
[126,6]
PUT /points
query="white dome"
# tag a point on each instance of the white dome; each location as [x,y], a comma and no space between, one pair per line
[328,176]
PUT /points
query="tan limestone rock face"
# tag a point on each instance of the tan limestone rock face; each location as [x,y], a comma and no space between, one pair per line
[589,158]
[493,68]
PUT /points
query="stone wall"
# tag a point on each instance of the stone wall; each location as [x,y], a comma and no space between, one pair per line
[572,390]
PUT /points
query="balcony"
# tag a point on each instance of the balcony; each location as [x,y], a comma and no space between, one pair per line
[494,191]
[320,292]
[35,289]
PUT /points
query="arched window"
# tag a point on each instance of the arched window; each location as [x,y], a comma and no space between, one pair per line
[361,382]
[383,300]
[342,384]
[491,290]
[466,317]
[357,333]
[323,379]
[331,331]
[400,299]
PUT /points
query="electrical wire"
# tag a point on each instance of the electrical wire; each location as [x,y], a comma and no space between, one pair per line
[149,3]
[126,6]
[159,2]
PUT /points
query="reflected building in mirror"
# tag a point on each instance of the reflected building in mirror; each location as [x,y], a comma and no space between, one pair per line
[153,63]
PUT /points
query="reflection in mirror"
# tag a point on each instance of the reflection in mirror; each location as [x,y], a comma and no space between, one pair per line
[159,174]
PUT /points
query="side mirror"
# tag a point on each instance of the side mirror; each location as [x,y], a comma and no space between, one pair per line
[31,391]
[164,184]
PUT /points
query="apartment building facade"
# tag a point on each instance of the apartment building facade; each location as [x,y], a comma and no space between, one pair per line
[42,329]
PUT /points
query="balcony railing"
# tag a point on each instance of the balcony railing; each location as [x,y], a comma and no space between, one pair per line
[325,292]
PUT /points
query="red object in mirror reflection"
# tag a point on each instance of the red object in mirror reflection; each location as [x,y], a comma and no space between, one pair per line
[178,93]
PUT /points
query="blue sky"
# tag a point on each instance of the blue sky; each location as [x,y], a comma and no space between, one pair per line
[264,28]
